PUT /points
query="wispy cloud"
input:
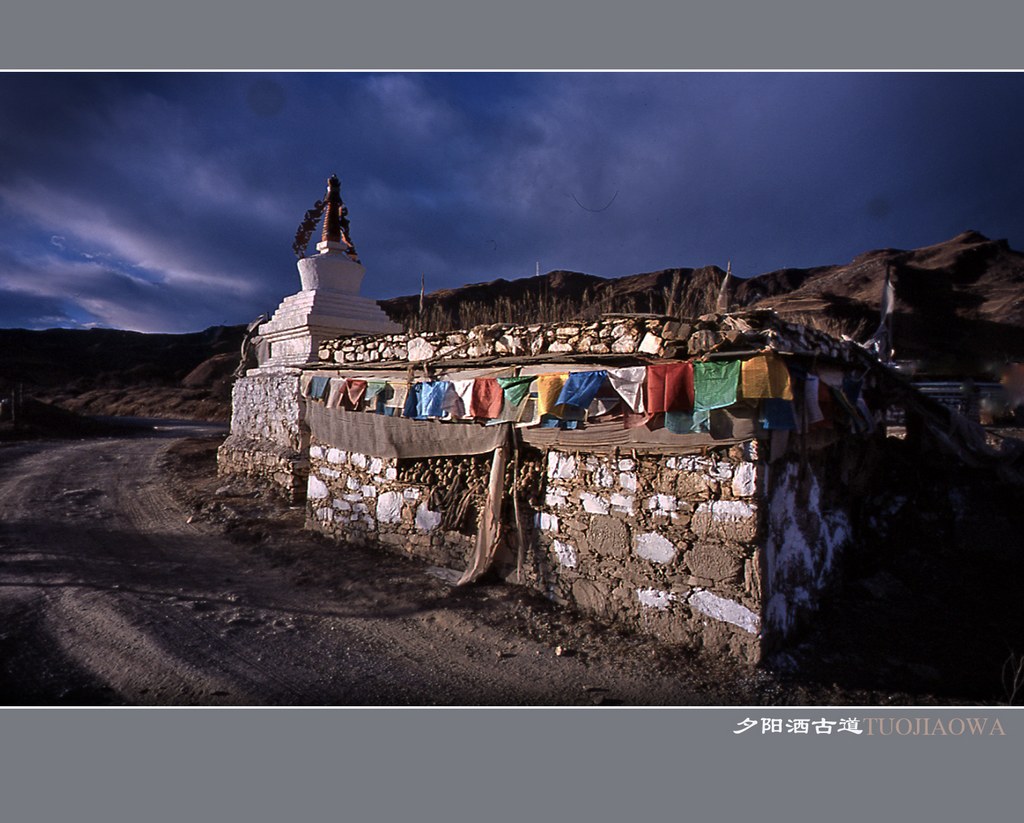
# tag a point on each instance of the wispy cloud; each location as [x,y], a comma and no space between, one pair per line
[164,201]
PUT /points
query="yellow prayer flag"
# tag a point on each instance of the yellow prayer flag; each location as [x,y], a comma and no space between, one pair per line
[549,386]
[765,376]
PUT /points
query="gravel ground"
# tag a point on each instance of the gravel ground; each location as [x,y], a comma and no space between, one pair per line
[131,575]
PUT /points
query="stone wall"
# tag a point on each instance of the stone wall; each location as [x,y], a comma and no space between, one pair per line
[610,336]
[717,549]
[810,524]
[402,504]
[268,439]
[667,544]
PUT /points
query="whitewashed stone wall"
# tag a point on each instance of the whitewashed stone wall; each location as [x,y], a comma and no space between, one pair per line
[363,499]
[668,545]
[809,527]
[268,439]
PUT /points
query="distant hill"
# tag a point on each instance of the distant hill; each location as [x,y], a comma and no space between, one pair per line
[959,311]
[108,371]
[959,304]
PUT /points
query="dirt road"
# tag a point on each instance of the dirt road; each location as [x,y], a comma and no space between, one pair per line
[113,590]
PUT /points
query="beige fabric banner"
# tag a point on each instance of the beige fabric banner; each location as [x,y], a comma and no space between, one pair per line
[384,436]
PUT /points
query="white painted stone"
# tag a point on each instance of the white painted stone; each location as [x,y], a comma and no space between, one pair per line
[354,498]
[655,547]
[744,480]
[341,505]
[626,465]
[426,520]
[552,465]
[547,522]
[360,508]
[721,471]
[655,598]
[604,477]
[555,498]
[593,504]
[316,489]
[376,466]
[357,460]
[420,349]
[566,467]
[651,344]
[628,481]
[591,464]
[411,493]
[624,344]
[326,514]
[721,608]
[368,491]
[316,452]
[391,474]
[663,503]
[334,474]
[352,483]
[334,456]
[727,510]
[703,465]
[566,553]
[622,503]
[389,507]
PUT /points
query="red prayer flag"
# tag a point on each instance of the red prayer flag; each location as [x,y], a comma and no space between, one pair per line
[670,387]
[487,398]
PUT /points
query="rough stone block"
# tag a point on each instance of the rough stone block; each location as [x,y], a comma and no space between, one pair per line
[316,488]
[716,561]
[727,519]
[655,547]
[389,507]
[566,553]
[592,595]
[607,537]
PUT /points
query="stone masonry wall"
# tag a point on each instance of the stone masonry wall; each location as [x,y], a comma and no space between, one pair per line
[268,439]
[809,525]
[613,335]
[668,544]
[361,499]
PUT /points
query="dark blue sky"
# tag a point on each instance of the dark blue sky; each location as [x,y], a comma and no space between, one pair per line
[168,201]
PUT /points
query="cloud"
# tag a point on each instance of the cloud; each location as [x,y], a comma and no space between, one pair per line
[182,191]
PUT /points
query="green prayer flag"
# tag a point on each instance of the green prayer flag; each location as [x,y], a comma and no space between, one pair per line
[715,384]
[516,388]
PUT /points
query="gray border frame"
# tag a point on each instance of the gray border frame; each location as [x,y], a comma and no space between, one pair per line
[528,34]
[500,764]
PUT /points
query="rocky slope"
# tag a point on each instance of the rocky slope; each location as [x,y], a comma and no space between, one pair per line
[959,304]
[113,372]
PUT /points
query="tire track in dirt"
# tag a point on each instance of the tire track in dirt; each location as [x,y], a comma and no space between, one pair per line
[114,587]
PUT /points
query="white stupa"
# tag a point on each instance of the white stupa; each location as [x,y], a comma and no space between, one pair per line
[329,304]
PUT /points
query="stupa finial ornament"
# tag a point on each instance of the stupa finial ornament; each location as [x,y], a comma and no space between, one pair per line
[336,233]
